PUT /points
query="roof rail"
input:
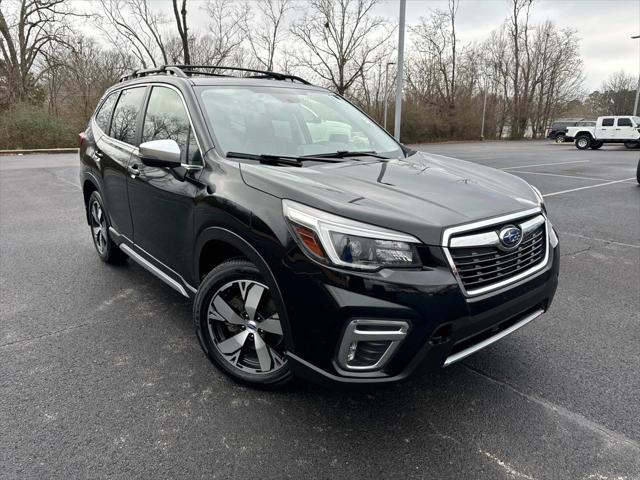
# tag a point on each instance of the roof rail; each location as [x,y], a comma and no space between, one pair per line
[162,69]
[208,70]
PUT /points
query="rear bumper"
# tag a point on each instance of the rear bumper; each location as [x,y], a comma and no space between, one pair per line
[429,301]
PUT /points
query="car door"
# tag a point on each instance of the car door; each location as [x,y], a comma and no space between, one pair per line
[113,152]
[624,129]
[162,199]
[605,129]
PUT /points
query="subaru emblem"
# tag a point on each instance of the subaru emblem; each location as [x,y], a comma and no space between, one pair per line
[510,237]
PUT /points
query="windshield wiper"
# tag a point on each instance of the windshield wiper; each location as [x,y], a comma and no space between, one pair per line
[281,159]
[347,154]
[264,158]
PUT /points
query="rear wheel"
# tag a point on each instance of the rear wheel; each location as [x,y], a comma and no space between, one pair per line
[595,145]
[239,327]
[583,142]
[107,250]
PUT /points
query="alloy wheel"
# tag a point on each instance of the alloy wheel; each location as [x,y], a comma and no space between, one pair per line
[245,327]
[98,227]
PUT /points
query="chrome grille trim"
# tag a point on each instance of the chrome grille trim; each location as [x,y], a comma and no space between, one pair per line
[527,226]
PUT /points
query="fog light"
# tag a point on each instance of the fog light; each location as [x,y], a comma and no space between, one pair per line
[352,351]
[369,344]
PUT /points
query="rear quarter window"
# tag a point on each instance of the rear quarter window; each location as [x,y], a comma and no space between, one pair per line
[103,115]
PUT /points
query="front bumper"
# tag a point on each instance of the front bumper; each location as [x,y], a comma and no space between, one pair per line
[444,324]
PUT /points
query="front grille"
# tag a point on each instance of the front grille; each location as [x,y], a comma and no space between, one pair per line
[484,266]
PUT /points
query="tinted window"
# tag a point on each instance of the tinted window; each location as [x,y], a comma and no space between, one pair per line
[290,121]
[166,119]
[104,114]
[624,122]
[125,116]
[607,122]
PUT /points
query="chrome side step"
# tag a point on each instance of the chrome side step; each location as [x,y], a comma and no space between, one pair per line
[488,341]
[153,269]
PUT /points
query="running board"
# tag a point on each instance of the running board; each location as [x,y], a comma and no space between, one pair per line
[153,269]
[488,341]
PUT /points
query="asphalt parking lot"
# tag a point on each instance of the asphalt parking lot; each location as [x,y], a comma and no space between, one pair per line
[101,375]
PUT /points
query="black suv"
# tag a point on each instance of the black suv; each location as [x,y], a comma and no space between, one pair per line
[558,131]
[311,241]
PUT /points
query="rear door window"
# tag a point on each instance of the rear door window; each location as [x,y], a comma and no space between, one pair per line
[103,116]
[607,122]
[125,117]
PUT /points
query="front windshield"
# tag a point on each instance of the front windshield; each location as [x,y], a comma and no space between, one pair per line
[289,122]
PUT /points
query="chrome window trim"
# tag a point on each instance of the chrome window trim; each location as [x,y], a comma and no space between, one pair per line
[530,225]
[136,150]
[456,357]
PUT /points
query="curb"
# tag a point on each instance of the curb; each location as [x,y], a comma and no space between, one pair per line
[38,150]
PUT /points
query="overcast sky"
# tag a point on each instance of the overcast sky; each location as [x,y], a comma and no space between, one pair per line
[604,26]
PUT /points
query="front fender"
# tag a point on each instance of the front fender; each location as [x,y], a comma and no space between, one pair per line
[231,238]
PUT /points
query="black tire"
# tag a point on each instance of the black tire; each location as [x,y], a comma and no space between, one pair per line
[595,145]
[583,142]
[240,361]
[99,224]
[632,144]
[560,138]
[638,172]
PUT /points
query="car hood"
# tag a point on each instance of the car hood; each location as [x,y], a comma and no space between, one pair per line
[420,195]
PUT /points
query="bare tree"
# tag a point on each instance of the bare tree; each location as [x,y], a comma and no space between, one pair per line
[223,43]
[342,39]
[132,24]
[265,35]
[616,96]
[183,31]
[25,35]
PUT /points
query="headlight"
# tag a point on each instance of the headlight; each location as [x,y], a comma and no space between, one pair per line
[348,243]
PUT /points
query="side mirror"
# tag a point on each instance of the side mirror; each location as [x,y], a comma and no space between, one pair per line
[160,153]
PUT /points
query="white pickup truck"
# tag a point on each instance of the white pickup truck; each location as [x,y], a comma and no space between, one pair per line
[623,129]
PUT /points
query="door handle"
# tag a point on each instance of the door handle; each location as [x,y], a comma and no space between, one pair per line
[133,170]
[98,154]
[617,129]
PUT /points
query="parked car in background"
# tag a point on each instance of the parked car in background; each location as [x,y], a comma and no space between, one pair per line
[558,130]
[311,242]
[611,129]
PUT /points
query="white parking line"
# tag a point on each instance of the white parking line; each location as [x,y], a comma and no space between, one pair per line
[560,175]
[600,240]
[587,187]
[544,164]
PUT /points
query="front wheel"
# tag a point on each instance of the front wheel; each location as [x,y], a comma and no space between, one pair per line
[560,138]
[638,172]
[583,142]
[238,325]
[632,144]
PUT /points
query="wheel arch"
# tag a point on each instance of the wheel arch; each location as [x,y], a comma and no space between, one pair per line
[89,185]
[582,133]
[235,246]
